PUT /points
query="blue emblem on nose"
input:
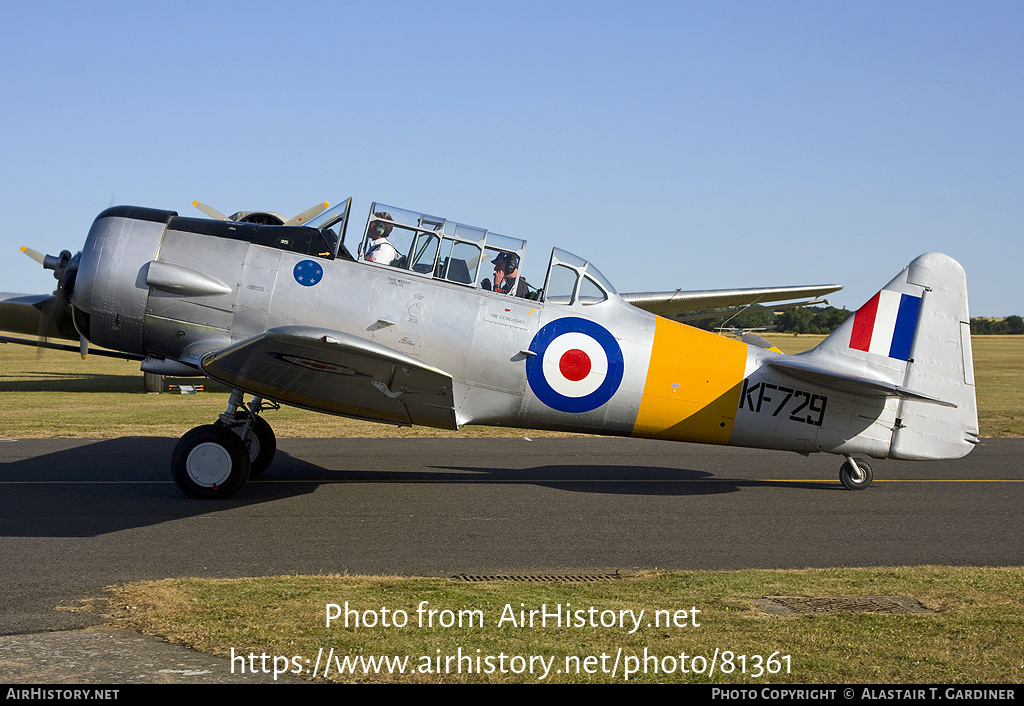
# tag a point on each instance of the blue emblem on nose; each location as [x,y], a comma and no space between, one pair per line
[308,273]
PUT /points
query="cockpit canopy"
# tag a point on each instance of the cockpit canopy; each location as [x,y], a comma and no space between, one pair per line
[431,246]
[436,247]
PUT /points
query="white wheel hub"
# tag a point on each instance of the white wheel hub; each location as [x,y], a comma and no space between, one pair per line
[209,465]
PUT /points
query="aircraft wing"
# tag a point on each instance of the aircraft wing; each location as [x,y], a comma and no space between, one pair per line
[686,302]
[31,314]
[337,373]
[22,313]
[44,315]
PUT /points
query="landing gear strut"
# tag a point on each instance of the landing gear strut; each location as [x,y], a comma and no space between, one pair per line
[258,438]
[855,474]
[215,460]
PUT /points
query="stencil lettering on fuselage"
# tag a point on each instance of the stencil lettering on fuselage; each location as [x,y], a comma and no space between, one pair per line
[578,366]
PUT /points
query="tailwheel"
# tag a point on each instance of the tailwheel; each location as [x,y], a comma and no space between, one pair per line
[855,474]
[210,462]
[260,440]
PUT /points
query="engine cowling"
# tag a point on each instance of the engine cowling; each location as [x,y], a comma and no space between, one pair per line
[110,293]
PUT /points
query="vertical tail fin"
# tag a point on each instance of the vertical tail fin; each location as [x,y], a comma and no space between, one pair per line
[912,340]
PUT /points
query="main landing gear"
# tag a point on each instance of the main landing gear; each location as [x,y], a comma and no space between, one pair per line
[215,460]
[855,474]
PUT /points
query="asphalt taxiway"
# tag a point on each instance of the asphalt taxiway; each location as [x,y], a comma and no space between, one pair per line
[78,515]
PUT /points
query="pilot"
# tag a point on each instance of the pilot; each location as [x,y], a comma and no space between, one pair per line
[506,270]
[380,248]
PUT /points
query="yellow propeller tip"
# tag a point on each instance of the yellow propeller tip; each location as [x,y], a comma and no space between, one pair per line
[195,203]
[24,248]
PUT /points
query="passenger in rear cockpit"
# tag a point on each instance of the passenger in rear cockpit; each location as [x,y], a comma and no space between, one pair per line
[506,272]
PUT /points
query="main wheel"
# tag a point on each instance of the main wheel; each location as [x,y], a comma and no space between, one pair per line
[262,443]
[210,462]
[855,479]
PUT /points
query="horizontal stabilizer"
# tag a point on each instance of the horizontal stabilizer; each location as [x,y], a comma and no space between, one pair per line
[846,382]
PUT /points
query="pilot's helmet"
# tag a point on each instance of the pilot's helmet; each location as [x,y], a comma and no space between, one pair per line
[507,262]
[380,229]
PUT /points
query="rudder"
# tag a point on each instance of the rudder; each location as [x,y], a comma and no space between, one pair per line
[942,364]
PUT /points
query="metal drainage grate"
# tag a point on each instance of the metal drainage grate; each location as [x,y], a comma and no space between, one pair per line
[539,578]
[830,605]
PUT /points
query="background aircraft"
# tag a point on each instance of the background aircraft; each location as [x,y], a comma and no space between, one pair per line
[296,315]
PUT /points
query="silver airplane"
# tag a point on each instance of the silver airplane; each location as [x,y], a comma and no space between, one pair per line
[410,325]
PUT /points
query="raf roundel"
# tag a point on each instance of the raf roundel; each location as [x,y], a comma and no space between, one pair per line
[308,273]
[578,366]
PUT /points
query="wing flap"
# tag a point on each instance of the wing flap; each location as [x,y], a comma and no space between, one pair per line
[336,373]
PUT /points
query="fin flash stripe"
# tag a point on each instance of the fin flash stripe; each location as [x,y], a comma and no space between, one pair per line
[886,324]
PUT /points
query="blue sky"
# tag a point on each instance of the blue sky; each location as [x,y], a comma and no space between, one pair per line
[674,144]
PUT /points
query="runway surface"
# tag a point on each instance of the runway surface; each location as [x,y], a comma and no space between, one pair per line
[78,515]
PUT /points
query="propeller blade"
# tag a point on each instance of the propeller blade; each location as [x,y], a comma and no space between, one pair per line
[210,211]
[307,214]
[37,256]
[83,347]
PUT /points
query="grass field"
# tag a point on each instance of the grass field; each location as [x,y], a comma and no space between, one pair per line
[58,394]
[972,634]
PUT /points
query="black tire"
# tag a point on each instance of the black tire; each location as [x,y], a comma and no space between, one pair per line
[153,382]
[210,462]
[854,481]
[262,444]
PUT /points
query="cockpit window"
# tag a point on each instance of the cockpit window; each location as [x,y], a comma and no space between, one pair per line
[591,292]
[425,253]
[561,286]
[399,238]
[431,246]
[572,280]
[458,262]
[332,225]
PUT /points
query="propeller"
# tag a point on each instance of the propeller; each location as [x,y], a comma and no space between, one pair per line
[210,211]
[35,255]
[57,309]
[263,217]
[307,214]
